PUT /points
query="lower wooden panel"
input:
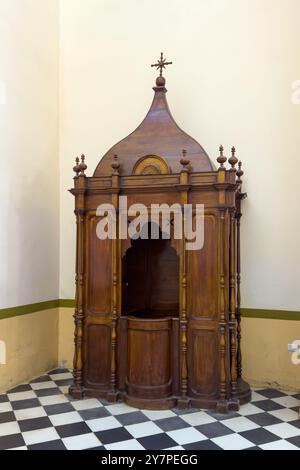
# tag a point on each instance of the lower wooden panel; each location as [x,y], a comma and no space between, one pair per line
[203,362]
[97,356]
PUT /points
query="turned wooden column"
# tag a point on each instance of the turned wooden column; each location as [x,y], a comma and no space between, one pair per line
[239,197]
[113,394]
[222,404]
[183,402]
[76,388]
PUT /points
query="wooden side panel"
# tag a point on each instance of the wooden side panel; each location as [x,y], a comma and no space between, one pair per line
[203,273]
[98,277]
[97,355]
[203,362]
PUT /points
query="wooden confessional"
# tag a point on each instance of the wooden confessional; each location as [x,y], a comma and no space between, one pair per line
[156,325]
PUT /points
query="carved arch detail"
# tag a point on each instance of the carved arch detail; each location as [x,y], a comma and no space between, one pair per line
[151,165]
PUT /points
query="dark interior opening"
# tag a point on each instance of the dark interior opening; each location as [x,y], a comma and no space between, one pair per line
[150,279]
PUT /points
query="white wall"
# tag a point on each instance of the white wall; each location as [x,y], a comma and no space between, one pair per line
[234,63]
[29,188]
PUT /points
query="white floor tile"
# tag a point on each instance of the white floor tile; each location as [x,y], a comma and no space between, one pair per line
[249,409]
[6,406]
[62,376]
[53,400]
[84,441]
[285,414]
[40,435]
[240,424]
[256,397]
[195,419]
[186,436]
[21,395]
[232,442]
[18,448]
[120,408]
[42,385]
[287,401]
[65,418]
[86,404]
[102,424]
[143,429]
[158,414]
[9,428]
[174,448]
[30,413]
[278,445]
[283,430]
[131,444]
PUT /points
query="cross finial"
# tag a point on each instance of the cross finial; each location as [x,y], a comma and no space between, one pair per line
[161,64]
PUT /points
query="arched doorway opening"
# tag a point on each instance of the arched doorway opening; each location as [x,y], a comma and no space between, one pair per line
[150,281]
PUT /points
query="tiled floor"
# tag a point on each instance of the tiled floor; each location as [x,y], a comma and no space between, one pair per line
[41,415]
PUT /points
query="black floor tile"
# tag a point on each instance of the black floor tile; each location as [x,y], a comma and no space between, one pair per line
[221,416]
[59,408]
[171,424]
[259,436]
[22,404]
[294,440]
[271,393]
[35,423]
[13,440]
[113,435]
[7,416]
[20,388]
[264,419]
[94,413]
[157,442]
[43,378]
[202,445]
[45,392]
[3,398]
[132,418]
[268,405]
[252,448]
[73,429]
[97,448]
[63,382]
[51,445]
[295,423]
[58,371]
[214,430]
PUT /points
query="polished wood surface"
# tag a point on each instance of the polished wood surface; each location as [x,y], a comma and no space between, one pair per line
[157,325]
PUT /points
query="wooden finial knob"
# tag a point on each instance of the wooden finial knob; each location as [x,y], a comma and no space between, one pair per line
[82,165]
[221,158]
[239,172]
[115,165]
[233,160]
[184,161]
[76,168]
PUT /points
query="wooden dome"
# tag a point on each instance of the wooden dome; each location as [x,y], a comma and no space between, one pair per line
[157,136]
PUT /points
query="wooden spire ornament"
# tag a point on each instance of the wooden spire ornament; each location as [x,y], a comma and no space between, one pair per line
[233,159]
[221,158]
[76,168]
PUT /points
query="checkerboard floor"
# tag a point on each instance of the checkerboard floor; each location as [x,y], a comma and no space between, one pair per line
[41,415]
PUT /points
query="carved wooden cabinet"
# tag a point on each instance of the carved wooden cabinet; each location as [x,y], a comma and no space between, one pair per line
[156,325]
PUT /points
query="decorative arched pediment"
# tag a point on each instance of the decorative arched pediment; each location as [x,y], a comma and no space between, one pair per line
[151,165]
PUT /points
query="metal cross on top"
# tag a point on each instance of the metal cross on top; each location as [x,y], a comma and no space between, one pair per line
[161,64]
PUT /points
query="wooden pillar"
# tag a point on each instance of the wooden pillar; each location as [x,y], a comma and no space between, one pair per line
[183,402]
[76,389]
[234,403]
[222,404]
[239,197]
[113,394]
